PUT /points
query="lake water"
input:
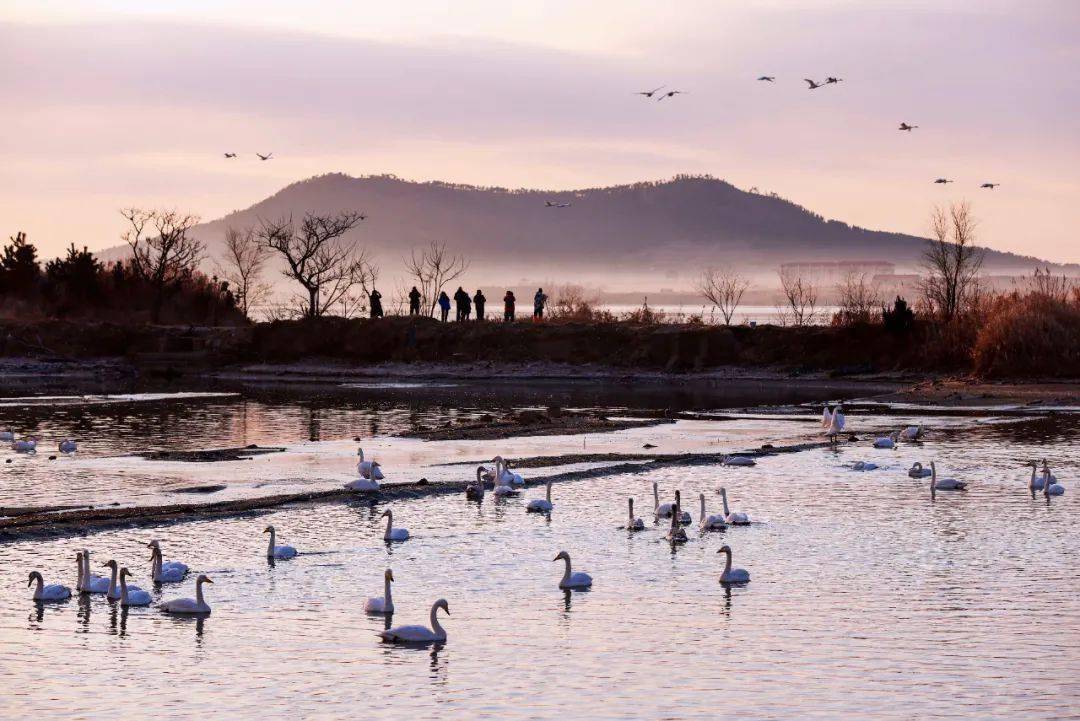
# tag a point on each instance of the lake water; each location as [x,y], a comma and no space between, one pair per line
[866,599]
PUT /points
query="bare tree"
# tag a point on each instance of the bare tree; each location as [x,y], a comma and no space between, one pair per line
[799,298]
[355,302]
[317,258]
[723,288]
[859,298]
[245,259]
[162,252]
[432,269]
[951,260]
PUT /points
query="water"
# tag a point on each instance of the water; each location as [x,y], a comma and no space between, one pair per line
[866,599]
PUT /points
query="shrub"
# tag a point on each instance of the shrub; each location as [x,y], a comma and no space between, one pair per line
[1029,335]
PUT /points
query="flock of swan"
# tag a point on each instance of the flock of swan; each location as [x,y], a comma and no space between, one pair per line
[30,444]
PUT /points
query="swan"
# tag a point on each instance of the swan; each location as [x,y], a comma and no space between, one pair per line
[281,553]
[165,572]
[52,592]
[1036,483]
[420,634]
[155,544]
[887,442]
[114,586]
[393,534]
[92,583]
[28,445]
[504,475]
[836,424]
[917,471]
[738,461]
[363,485]
[67,446]
[676,534]
[735,519]
[541,505]
[572,580]
[826,418]
[945,484]
[634,524]
[7,435]
[384,605]
[474,491]
[710,523]
[732,575]
[864,466]
[189,605]
[911,433]
[371,470]
[1050,485]
[684,516]
[1046,472]
[131,596]
[661,511]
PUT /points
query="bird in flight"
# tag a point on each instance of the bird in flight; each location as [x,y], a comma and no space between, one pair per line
[767,78]
[649,93]
[671,94]
[230,155]
[813,85]
[990,185]
[942,181]
[265,157]
[833,81]
[553,204]
[905,126]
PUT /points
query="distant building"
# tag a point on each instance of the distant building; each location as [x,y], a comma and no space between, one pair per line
[833,271]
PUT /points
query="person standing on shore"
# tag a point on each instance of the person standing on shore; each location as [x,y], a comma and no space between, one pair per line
[414,301]
[467,304]
[460,299]
[479,300]
[444,305]
[509,301]
[539,301]
[375,303]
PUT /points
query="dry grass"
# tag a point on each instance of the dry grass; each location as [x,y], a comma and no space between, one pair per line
[1031,335]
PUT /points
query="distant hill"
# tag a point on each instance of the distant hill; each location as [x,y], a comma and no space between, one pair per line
[626,229]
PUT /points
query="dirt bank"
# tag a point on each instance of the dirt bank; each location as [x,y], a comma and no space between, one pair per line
[973,393]
[550,422]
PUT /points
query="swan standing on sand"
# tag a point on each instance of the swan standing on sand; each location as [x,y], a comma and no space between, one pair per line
[735,519]
[114,586]
[371,470]
[281,553]
[420,634]
[52,592]
[130,595]
[911,433]
[572,580]
[732,575]
[660,510]
[190,605]
[888,442]
[835,425]
[540,505]
[634,524]
[28,445]
[393,534]
[710,523]
[90,582]
[67,446]
[384,605]
[917,471]
[474,491]
[161,572]
[945,484]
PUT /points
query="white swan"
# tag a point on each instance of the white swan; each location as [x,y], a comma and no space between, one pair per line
[28,445]
[505,475]
[826,418]
[684,516]
[161,572]
[887,442]
[835,425]
[710,523]
[363,485]
[1036,483]
[634,524]
[113,593]
[735,519]
[503,480]
[572,580]
[732,575]
[156,545]
[420,634]
[371,470]
[130,595]
[52,592]
[189,605]
[384,605]
[92,583]
[474,490]
[917,471]
[1050,485]
[911,433]
[393,534]
[660,510]
[738,461]
[67,446]
[945,484]
[281,553]
[7,435]
[541,505]
[676,534]
[864,466]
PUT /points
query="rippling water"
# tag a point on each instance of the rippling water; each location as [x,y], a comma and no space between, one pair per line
[866,599]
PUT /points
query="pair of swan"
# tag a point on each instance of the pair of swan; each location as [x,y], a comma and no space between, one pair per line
[732,575]
[162,571]
[541,505]
[279,553]
[710,522]
[420,634]
[664,510]
[52,592]
[384,605]
[634,524]
[736,518]
[917,471]
[943,484]
[1047,484]
[571,580]
[505,482]
[393,534]
[887,442]
[370,475]
[190,606]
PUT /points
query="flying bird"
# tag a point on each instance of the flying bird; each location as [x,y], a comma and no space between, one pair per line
[649,93]
[265,157]
[990,185]
[942,181]
[833,81]
[671,94]
[767,78]
[813,85]
[230,155]
[905,126]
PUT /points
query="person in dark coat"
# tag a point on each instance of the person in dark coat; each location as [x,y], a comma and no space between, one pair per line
[539,301]
[375,303]
[461,298]
[414,301]
[479,300]
[444,305]
[509,301]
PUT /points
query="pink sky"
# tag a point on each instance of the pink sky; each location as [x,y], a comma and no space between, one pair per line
[110,106]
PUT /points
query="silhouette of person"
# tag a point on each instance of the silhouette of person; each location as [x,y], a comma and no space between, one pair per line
[509,301]
[414,301]
[461,298]
[444,305]
[479,300]
[539,301]
[375,304]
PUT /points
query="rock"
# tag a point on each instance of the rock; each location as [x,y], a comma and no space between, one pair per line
[648,445]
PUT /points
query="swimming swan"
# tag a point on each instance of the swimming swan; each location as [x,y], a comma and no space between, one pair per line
[188,605]
[676,534]
[384,605]
[67,446]
[474,490]
[661,511]
[864,466]
[164,572]
[505,476]
[52,592]
[684,516]
[735,519]
[710,523]
[129,595]
[7,435]
[393,534]
[371,470]
[945,484]
[572,580]
[887,442]
[541,505]
[114,586]
[732,575]
[28,445]
[634,524]
[1050,486]
[911,433]
[156,545]
[91,583]
[917,471]
[420,634]
[281,553]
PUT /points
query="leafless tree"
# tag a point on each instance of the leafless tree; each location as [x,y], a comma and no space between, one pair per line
[723,288]
[799,298]
[326,266]
[859,298]
[951,260]
[162,252]
[433,269]
[244,262]
[355,302]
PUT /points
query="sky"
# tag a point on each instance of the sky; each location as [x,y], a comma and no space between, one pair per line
[116,104]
